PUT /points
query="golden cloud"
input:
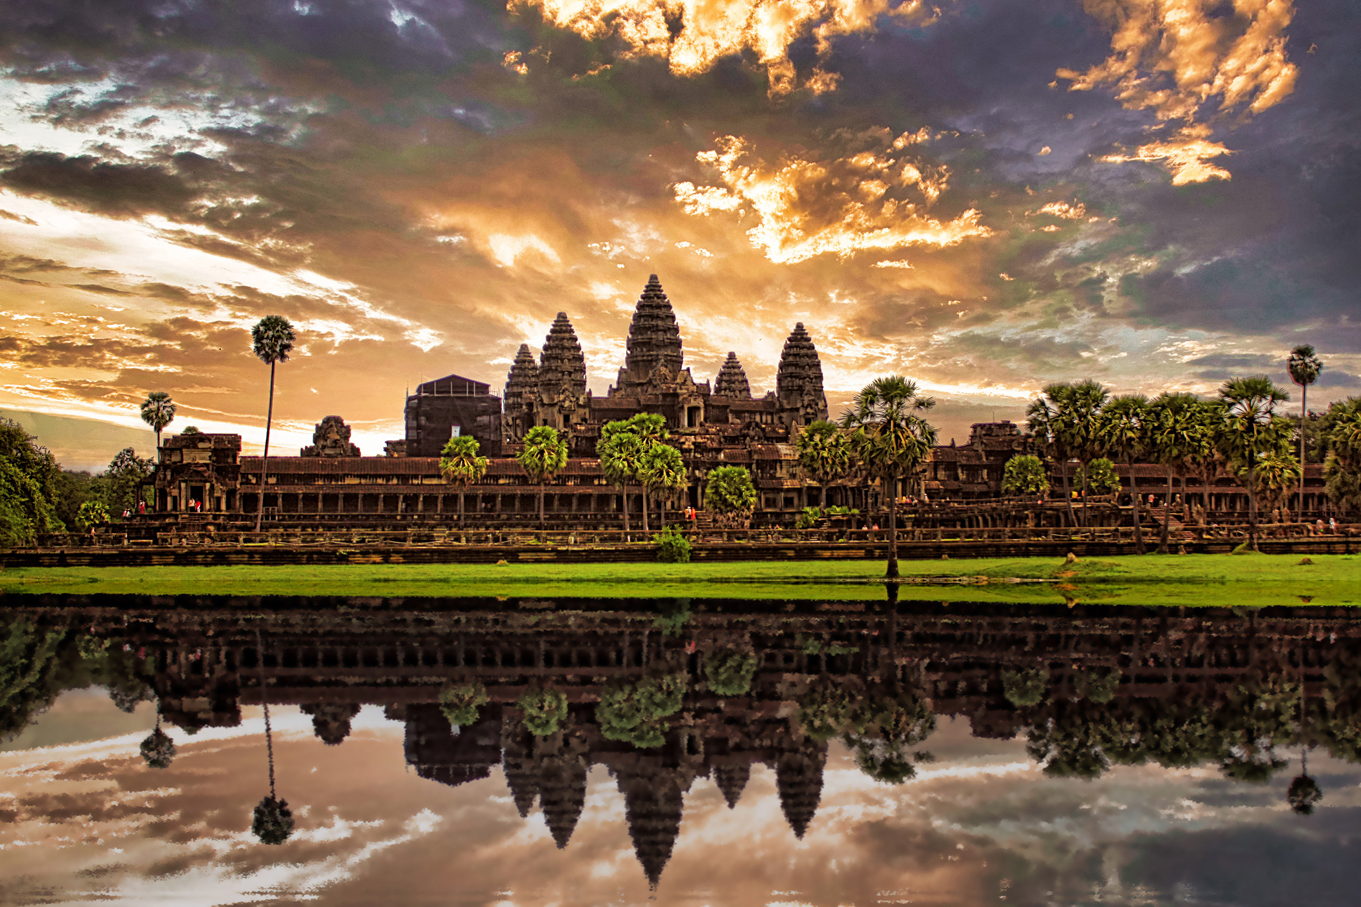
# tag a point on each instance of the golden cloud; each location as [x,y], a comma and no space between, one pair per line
[1187,155]
[1172,57]
[873,198]
[693,34]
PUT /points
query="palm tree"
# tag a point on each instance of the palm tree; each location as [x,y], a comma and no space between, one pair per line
[1341,431]
[660,468]
[824,454]
[1304,366]
[461,465]
[158,411]
[271,341]
[1063,420]
[272,821]
[158,750]
[1252,428]
[619,449]
[1123,433]
[891,440]
[1178,433]
[543,457]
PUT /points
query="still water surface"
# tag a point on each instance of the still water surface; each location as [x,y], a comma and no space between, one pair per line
[717,753]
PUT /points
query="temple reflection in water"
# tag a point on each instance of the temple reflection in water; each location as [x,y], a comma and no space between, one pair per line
[664,694]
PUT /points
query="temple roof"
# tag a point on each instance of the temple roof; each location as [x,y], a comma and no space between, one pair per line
[798,777]
[523,377]
[800,371]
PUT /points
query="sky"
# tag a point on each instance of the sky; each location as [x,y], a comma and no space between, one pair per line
[86,820]
[983,195]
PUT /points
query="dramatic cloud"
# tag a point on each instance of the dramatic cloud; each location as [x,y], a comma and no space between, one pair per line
[875,198]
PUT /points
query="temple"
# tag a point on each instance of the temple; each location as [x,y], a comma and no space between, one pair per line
[723,423]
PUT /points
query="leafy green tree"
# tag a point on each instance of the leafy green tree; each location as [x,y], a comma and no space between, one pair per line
[1341,431]
[1124,433]
[545,710]
[124,481]
[461,703]
[1024,475]
[637,713]
[1099,476]
[885,729]
[825,710]
[1252,429]
[1304,366]
[1063,421]
[92,514]
[28,487]
[35,666]
[158,411]
[271,341]
[70,490]
[1025,687]
[543,457]
[730,494]
[824,454]
[662,472]
[728,672]
[460,465]
[891,440]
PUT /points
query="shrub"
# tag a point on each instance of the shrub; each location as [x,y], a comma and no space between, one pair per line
[1025,475]
[636,713]
[824,711]
[672,546]
[1025,688]
[729,671]
[730,495]
[1097,686]
[545,710]
[808,517]
[460,704]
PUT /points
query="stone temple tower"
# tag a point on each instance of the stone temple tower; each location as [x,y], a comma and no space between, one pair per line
[654,356]
[521,394]
[732,380]
[553,392]
[798,381]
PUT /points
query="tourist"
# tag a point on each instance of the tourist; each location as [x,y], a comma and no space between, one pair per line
[1332,525]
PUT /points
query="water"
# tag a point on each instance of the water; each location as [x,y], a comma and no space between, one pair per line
[1043,755]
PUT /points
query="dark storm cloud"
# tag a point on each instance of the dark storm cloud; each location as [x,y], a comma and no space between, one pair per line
[1234,361]
[109,188]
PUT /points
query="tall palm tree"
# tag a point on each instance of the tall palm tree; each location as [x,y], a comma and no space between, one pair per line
[661,468]
[1179,434]
[1252,428]
[619,448]
[891,439]
[1304,366]
[824,454]
[1123,434]
[272,821]
[158,411]
[1064,421]
[543,457]
[461,466]
[271,341]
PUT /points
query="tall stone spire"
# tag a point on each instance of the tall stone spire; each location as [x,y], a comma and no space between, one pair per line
[798,382]
[562,366]
[798,778]
[562,794]
[732,780]
[732,380]
[654,344]
[653,802]
[523,380]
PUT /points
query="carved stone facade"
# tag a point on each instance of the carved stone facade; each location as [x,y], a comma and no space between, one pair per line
[331,439]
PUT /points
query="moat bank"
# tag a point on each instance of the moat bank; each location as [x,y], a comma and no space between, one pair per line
[1170,580]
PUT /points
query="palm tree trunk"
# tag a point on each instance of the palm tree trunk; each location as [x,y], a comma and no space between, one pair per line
[460,507]
[1304,412]
[541,495]
[646,530]
[1252,508]
[1167,513]
[624,493]
[892,533]
[1068,496]
[264,461]
[1138,520]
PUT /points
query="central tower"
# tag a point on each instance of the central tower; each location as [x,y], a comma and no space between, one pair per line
[654,345]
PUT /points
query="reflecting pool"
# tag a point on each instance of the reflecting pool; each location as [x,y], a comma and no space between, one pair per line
[537,752]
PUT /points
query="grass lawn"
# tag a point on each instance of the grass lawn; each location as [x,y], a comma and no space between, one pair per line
[1173,580]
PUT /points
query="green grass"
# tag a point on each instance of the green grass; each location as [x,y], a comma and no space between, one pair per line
[1186,580]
